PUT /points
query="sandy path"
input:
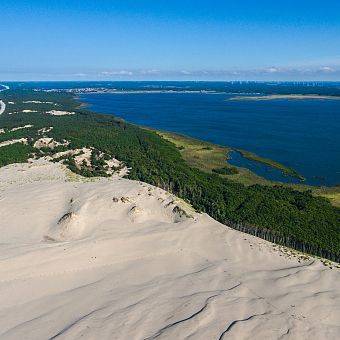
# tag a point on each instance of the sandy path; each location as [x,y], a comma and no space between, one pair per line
[134,270]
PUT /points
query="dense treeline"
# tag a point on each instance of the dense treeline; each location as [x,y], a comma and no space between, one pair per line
[278,214]
[284,240]
[14,153]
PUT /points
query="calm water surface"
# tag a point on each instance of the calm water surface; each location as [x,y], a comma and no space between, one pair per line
[302,134]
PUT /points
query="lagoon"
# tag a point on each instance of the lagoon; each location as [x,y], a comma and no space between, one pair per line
[301,134]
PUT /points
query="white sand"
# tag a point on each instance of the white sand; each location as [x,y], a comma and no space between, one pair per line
[84,157]
[122,268]
[45,142]
[48,142]
[60,113]
[13,141]
[45,130]
[70,152]
[2,104]
[36,102]
[22,127]
[2,107]
[113,164]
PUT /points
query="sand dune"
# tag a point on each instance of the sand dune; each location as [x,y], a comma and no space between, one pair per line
[13,141]
[2,107]
[60,113]
[119,259]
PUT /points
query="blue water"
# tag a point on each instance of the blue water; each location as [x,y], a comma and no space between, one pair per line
[261,169]
[302,134]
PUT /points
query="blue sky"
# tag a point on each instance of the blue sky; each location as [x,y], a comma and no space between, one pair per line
[157,39]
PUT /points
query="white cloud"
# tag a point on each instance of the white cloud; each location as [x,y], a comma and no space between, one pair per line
[117,73]
[327,69]
[149,72]
[80,74]
[272,70]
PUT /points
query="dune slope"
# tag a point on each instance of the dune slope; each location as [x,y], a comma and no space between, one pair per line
[119,259]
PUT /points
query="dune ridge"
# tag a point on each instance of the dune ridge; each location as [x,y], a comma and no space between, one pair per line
[112,258]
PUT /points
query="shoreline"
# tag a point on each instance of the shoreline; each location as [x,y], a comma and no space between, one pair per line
[206,156]
[288,163]
[271,163]
[284,96]
[6,87]
[245,153]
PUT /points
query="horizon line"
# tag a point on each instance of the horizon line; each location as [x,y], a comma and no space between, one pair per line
[174,80]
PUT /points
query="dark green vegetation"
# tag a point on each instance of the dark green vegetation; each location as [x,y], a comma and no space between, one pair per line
[15,153]
[277,213]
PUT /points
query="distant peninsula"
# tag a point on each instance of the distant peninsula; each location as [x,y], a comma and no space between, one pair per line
[285,96]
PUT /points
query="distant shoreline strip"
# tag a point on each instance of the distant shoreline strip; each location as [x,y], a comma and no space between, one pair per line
[5,87]
[284,96]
